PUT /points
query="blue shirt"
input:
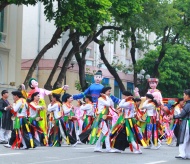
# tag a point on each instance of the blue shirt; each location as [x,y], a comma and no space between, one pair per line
[94,90]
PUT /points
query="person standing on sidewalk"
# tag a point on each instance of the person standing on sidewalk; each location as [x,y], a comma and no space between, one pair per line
[6,124]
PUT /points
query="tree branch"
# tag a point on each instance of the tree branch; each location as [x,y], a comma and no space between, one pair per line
[109,67]
[54,39]
[56,65]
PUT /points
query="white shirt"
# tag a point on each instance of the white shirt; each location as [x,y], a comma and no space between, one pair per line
[66,110]
[33,112]
[21,107]
[150,107]
[129,108]
[56,109]
[88,108]
[102,103]
[177,110]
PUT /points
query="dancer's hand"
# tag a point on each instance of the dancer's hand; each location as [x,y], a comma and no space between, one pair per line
[65,87]
[23,87]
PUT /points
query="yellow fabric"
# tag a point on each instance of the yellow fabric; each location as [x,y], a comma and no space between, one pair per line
[24,93]
[58,91]
[43,114]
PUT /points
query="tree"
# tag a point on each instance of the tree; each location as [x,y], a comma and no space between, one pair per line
[4,3]
[174,69]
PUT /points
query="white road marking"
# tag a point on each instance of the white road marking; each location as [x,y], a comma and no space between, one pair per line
[156,162]
[7,154]
[85,148]
[67,159]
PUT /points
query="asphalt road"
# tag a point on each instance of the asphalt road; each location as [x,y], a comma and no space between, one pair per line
[83,154]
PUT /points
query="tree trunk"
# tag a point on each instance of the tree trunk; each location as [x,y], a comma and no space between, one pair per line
[53,41]
[64,68]
[81,64]
[56,65]
[133,51]
[158,61]
[109,67]
[3,5]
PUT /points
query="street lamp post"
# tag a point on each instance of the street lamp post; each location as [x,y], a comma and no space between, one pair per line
[142,77]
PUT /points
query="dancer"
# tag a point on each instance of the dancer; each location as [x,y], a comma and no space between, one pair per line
[69,118]
[87,119]
[125,133]
[184,131]
[151,133]
[6,124]
[34,119]
[21,127]
[58,130]
[33,84]
[100,129]
[79,115]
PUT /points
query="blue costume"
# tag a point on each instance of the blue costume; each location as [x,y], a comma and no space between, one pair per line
[94,90]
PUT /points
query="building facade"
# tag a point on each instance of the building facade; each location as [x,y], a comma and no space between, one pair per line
[10,47]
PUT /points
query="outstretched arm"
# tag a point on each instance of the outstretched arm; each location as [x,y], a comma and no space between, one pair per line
[115,99]
[82,95]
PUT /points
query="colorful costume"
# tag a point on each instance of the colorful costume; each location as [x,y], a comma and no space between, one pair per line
[59,129]
[33,84]
[95,89]
[34,119]
[23,134]
[125,133]
[69,119]
[151,131]
[100,128]
[88,118]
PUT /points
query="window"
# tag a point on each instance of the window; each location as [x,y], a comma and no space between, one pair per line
[105,82]
[2,21]
[130,87]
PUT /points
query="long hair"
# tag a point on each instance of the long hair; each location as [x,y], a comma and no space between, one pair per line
[65,97]
[33,95]
[57,97]
[150,96]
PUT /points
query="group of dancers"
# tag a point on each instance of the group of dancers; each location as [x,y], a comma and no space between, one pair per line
[135,122]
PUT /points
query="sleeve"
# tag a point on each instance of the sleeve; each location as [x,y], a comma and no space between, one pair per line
[115,99]
[124,104]
[147,105]
[1,106]
[66,110]
[86,107]
[52,108]
[183,113]
[58,91]
[82,95]
[17,106]
[104,102]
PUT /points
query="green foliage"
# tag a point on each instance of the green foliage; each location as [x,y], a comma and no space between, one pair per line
[82,15]
[174,69]
[120,66]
